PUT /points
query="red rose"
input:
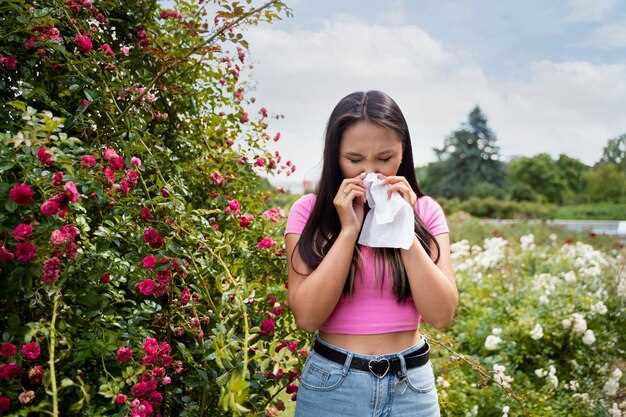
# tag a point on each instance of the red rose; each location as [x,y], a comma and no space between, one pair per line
[30,351]
[44,156]
[21,194]
[25,252]
[146,287]
[267,327]
[124,354]
[8,349]
[8,62]
[152,237]
[83,42]
[22,231]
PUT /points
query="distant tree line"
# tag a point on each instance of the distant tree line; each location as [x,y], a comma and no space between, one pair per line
[469,165]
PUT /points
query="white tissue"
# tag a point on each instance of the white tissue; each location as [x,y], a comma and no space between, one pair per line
[390,222]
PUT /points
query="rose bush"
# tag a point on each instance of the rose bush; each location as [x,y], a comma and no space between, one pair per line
[140,270]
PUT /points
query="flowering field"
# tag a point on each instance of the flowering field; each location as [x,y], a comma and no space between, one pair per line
[540,325]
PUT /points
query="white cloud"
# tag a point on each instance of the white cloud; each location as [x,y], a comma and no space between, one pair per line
[567,107]
[588,10]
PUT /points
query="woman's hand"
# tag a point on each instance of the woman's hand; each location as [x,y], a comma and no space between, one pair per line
[349,203]
[400,184]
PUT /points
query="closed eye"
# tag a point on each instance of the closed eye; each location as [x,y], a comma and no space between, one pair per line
[357,161]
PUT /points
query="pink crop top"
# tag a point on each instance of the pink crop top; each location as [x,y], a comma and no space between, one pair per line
[367,312]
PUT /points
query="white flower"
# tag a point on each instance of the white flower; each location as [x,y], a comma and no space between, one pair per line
[572,385]
[567,323]
[552,237]
[589,338]
[552,376]
[500,377]
[612,384]
[496,330]
[599,308]
[527,242]
[615,411]
[441,381]
[569,277]
[543,299]
[580,324]
[541,372]
[492,341]
[537,332]
[610,387]
[505,411]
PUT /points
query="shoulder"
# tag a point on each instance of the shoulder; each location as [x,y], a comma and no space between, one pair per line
[426,204]
[305,201]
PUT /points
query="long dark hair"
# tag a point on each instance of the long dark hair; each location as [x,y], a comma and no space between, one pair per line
[323,225]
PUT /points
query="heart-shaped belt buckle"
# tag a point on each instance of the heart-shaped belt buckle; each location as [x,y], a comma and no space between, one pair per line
[369,365]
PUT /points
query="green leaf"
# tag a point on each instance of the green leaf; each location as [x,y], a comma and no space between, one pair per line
[10,206]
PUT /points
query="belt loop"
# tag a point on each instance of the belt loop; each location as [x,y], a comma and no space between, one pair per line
[402,370]
[347,363]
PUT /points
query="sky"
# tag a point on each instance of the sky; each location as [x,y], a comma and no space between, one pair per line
[549,76]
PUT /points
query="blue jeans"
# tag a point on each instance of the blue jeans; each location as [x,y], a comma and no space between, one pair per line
[329,389]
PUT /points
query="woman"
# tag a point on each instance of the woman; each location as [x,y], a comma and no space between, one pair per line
[365,304]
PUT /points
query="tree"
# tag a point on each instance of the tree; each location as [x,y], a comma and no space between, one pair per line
[606,183]
[468,159]
[615,152]
[573,173]
[541,173]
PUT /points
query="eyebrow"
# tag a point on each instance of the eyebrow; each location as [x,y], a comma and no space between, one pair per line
[380,153]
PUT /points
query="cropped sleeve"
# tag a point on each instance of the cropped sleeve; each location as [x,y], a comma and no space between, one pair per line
[299,214]
[432,215]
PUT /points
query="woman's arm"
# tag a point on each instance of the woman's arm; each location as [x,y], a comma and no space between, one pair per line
[432,285]
[313,298]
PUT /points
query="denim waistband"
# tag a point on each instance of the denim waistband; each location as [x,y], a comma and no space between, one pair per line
[410,349]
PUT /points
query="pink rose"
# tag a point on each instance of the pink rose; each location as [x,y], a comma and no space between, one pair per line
[71,192]
[149,262]
[120,399]
[106,49]
[83,42]
[88,161]
[184,296]
[22,231]
[265,243]
[57,178]
[146,287]
[246,220]
[35,374]
[49,207]
[51,270]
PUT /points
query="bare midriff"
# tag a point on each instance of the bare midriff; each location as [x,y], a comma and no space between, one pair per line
[373,344]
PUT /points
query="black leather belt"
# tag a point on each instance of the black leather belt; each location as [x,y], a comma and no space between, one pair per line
[377,367]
